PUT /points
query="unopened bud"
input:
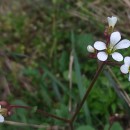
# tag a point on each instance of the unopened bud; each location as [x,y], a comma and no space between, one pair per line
[90,49]
[3,111]
[112,21]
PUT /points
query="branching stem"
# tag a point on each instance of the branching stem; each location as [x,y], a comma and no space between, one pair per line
[41,112]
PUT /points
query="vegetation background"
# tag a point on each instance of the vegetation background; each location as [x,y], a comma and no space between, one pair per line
[37,39]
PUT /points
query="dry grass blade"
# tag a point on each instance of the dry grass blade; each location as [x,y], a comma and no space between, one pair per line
[70,79]
[34,125]
[127,3]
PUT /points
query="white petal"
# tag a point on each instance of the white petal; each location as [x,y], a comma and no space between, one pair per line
[112,21]
[1,119]
[129,77]
[122,44]
[102,56]
[117,56]
[124,69]
[99,45]
[127,60]
[115,38]
[90,49]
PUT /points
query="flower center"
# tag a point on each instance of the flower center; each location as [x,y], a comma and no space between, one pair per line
[109,50]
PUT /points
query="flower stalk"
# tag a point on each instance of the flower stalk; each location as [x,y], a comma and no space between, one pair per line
[38,111]
[88,91]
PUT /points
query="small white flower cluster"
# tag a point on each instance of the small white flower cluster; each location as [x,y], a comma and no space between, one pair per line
[115,44]
[111,49]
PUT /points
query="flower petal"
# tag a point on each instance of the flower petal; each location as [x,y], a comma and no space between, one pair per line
[112,21]
[117,56]
[129,77]
[99,45]
[1,119]
[102,56]
[115,38]
[124,69]
[122,44]
[127,60]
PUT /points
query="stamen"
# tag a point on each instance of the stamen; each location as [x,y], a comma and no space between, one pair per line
[109,50]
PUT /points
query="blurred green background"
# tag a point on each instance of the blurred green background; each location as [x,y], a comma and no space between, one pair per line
[37,38]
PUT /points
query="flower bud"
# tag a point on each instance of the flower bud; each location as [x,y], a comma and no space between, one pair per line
[90,49]
[112,21]
[3,111]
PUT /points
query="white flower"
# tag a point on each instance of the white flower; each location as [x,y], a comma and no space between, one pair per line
[1,117]
[112,21]
[90,49]
[125,68]
[112,47]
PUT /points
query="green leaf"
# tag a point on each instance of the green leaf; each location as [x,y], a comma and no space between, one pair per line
[82,41]
[66,73]
[115,126]
[63,61]
[79,82]
[34,109]
[53,78]
[20,113]
[85,128]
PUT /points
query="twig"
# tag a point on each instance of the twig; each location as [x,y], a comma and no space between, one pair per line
[71,126]
[113,63]
[41,112]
